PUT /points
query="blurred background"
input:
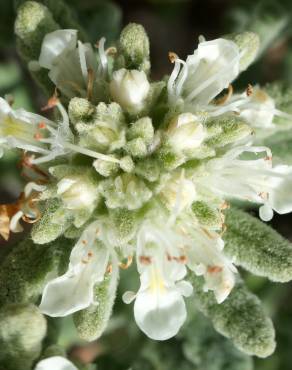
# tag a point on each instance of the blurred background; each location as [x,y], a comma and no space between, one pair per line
[172,25]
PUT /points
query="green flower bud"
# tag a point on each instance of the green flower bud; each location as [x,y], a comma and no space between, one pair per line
[168,159]
[125,191]
[52,224]
[134,47]
[22,329]
[125,225]
[248,44]
[257,247]
[80,110]
[127,164]
[240,318]
[143,129]
[33,22]
[137,148]
[206,215]
[148,169]
[91,322]
[28,267]
[62,14]
[105,131]
[229,129]
[106,168]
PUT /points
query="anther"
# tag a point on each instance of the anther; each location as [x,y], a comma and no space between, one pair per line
[111,50]
[249,90]
[145,260]
[52,102]
[214,269]
[172,56]
[42,125]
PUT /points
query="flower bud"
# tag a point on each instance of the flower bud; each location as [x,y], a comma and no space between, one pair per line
[129,88]
[185,132]
[134,46]
[248,44]
[77,193]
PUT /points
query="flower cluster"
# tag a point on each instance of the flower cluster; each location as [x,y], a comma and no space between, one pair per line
[142,171]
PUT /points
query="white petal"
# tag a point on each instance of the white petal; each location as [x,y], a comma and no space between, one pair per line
[185,288]
[266,212]
[128,297]
[55,363]
[160,315]
[73,291]
[54,44]
[280,198]
[212,67]
[15,225]
[68,293]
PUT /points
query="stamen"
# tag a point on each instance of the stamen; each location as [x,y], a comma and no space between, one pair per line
[102,55]
[52,102]
[82,59]
[90,84]
[226,97]
[171,81]
[172,56]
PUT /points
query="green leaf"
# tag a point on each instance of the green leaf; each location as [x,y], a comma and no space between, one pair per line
[91,322]
[198,334]
[257,247]
[28,267]
[22,329]
[240,318]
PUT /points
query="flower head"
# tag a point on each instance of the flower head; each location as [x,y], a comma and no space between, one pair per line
[145,171]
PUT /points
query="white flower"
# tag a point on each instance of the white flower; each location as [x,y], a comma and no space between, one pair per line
[55,363]
[159,307]
[185,132]
[19,129]
[37,134]
[254,180]
[73,291]
[77,193]
[72,65]
[129,88]
[210,69]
